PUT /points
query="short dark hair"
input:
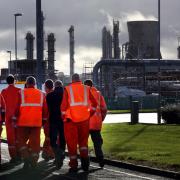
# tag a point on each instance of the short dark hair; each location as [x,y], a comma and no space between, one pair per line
[88,82]
[75,77]
[58,83]
[30,80]
[49,84]
[10,79]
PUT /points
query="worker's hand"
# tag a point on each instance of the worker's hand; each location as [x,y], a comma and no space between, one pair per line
[44,122]
[67,120]
[92,112]
[1,129]
[14,119]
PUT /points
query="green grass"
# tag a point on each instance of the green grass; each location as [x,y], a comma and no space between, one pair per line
[128,111]
[153,145]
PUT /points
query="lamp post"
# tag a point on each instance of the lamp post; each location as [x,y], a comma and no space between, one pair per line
[9,61]
[15,16]
[159,58]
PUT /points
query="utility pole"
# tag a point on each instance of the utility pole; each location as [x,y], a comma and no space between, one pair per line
[159,63]
[39,43]
[71,49]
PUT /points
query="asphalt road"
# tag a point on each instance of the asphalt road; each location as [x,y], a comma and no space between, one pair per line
[47,171]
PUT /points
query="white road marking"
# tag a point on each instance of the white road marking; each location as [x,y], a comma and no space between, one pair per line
[108,169]
[129,174]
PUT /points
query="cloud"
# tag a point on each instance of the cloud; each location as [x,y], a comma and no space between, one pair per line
[83,56]
[88,17]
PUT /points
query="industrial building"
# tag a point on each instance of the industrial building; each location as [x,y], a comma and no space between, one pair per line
[22,68]
[135,66]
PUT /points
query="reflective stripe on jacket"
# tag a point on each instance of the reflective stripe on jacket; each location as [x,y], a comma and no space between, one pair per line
[96,119]
[78,99]
[31,108]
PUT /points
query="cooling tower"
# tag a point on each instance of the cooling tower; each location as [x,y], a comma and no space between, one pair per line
[143,36]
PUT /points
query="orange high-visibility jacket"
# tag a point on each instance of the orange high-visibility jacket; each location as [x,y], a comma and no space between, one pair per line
[31,108]
[2,108]
[9,93]
[101,110]
[76,102]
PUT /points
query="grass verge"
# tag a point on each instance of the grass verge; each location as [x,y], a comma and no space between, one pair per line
[151,145]
[128,111]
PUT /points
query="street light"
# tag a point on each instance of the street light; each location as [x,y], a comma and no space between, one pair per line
[15,16]
[9,61]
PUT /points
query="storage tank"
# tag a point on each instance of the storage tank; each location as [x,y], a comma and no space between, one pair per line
[143,37]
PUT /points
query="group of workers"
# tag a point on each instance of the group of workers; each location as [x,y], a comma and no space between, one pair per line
[67,114]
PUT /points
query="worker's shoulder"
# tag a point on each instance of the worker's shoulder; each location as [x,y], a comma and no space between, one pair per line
[11,89]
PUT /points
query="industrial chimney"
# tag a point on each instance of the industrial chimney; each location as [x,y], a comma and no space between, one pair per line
[51,55]
[29,45]
[116,39]
[178,49]
[71,49]
[106,44]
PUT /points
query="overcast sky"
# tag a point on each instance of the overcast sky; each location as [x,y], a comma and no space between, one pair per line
[88,17]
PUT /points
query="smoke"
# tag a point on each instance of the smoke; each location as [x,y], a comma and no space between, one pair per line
[83,55]
[174,30]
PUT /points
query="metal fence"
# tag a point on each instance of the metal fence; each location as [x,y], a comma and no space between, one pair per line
[146,102]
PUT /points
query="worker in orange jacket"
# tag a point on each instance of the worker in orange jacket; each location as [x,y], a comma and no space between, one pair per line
[76,112]
[10,95]
[96,120]
[47,152]
[32,113]
[2,118]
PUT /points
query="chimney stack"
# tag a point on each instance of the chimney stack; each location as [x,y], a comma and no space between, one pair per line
[71,49]
[116,39]
[178,49]
[51,55]
[29,45]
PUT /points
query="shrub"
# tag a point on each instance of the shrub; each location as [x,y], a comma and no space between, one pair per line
[171,114]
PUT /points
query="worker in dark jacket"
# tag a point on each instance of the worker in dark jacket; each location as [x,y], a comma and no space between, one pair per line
[57,139]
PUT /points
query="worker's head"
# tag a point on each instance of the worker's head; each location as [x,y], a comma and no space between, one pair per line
[30,81]
[75,77]
[49,85]
[88,82]
[10,79]
[58,83]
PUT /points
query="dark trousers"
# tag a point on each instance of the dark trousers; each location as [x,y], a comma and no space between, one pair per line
[57,138]
[98,142]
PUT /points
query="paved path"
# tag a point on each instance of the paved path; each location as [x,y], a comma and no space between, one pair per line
[143,118]
[47,171]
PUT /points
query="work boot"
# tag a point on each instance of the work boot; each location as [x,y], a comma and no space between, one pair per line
[26,165]
[101,161]
[45,156]
[13,160]
[85,163]
[59,157]
[73,170]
